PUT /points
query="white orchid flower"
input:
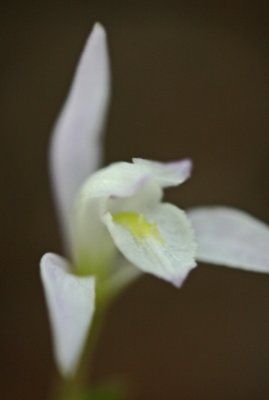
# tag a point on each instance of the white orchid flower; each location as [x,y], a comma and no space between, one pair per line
[118,210]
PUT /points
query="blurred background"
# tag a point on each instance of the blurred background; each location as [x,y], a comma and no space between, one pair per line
[189,79]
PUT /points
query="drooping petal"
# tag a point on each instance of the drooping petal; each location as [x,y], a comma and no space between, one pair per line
[70,301]
[167,174]
[160,242]
[230,237]
[75,148]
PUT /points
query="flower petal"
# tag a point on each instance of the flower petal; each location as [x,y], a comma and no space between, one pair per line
[160,242]
[120,179]
[75,148]
[70,301]
[168,174]
[120,185]
[230,237]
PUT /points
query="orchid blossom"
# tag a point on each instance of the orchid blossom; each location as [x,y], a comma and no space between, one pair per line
[114,223]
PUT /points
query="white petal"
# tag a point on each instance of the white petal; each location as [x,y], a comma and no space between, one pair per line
[118,186]
[167,174]
[75,148]
[168,255]
[121,179]
[230,237]
[70,301]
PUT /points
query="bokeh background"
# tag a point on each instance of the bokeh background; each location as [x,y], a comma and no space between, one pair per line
[189,79]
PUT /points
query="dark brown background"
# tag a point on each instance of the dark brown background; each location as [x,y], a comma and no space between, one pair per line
[189,79]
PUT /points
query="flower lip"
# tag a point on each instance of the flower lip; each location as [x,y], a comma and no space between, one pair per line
[138,225]
[160,242]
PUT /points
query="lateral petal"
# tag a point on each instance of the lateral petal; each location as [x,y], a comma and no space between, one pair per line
[71,302]
[160,242]
[75,149]
[231,237]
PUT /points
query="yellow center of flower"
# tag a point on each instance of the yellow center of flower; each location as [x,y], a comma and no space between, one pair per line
[137,224]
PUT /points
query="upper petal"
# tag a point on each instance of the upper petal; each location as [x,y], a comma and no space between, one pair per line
[120,179]
[167,174]
[70,301]
[75,147]
[231,237]
[160,241]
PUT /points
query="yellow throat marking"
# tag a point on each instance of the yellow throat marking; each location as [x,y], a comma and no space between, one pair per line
[137,224]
